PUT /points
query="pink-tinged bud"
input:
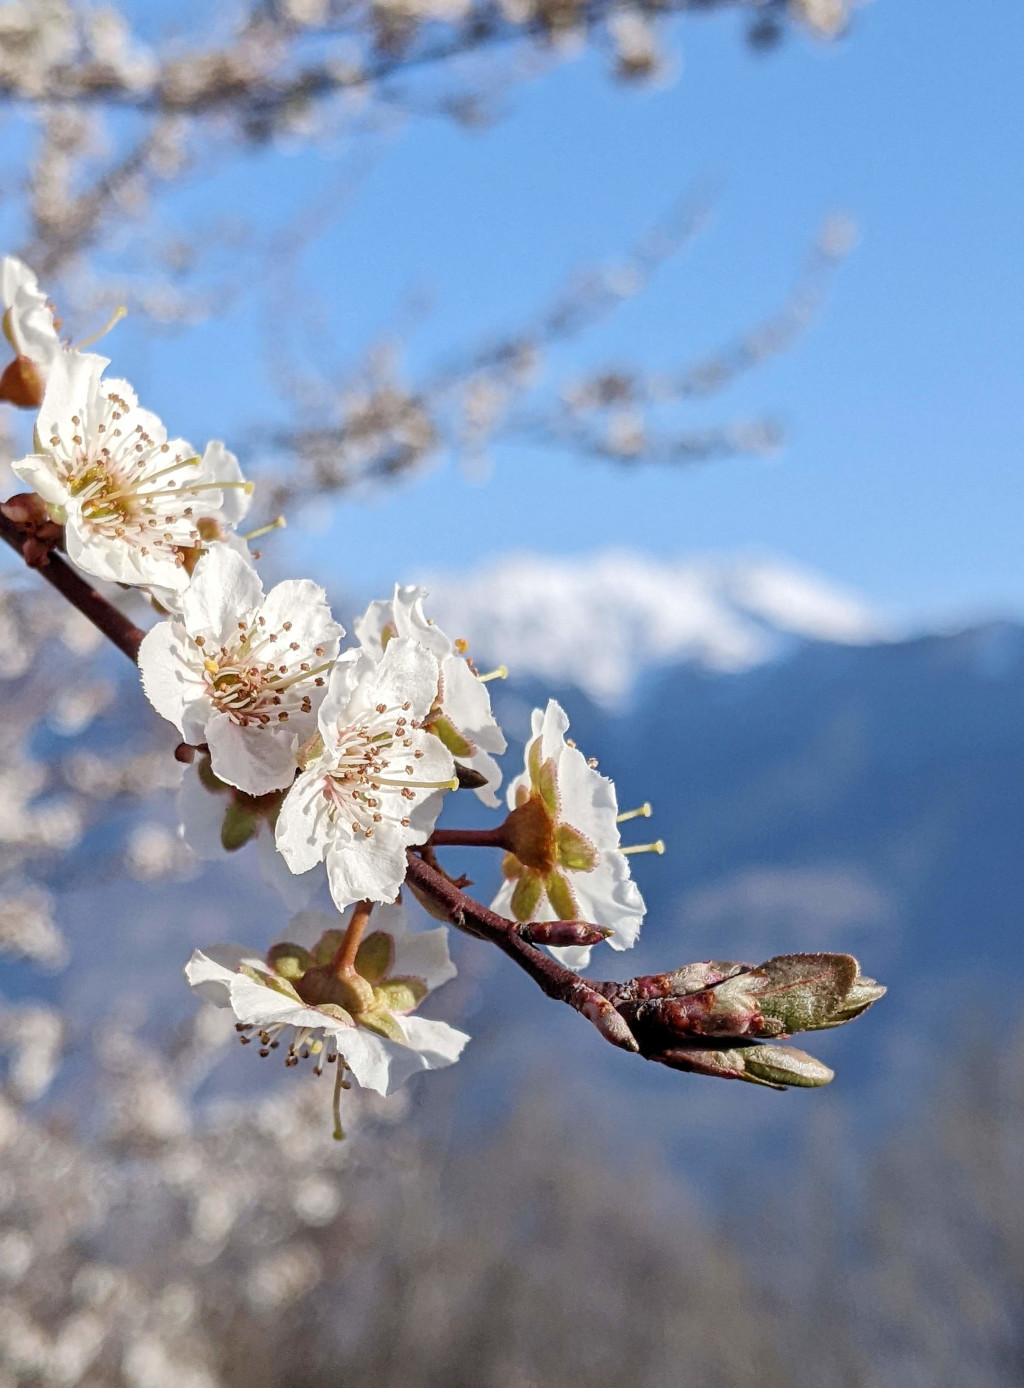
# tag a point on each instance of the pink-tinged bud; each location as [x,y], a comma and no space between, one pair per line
[711,1013]
[691,978]
[608,1021]
[563,933]
[22,384]
[26,509]
[40,532]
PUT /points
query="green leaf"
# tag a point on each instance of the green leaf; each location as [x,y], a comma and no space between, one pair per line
[802,991]
[785,1065]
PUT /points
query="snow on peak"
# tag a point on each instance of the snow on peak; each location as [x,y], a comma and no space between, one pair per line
[600,622]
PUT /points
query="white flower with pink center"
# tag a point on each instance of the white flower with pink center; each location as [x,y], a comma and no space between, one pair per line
[377,785]
[461,714]
[135,505]
[243,673]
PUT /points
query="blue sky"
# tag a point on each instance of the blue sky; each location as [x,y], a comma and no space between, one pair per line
[902,476]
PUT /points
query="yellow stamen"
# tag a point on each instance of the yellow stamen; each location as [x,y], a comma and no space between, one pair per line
[644,811]
[118,314]
[211,666]
[278,523]
[500,674]
[453,784]
[658,846]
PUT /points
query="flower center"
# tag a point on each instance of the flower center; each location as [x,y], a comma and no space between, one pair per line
[262,676]
[125,482]
[372,778]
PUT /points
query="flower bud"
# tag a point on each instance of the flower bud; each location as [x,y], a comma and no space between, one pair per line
[691,978]
[22,384]
[562,933]
[609,1022]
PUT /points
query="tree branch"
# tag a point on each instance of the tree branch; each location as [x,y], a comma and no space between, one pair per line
[708,1018]
[125,635]
[553,978]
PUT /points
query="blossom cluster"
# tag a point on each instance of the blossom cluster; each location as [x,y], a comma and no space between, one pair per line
[343,755]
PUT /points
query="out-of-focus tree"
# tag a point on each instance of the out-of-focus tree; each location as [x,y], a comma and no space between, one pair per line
[107,123]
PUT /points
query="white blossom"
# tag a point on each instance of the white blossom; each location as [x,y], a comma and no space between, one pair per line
[135,505]
[361,1014]
[241,672]
[567,863]
[461,714]
[373,790]
[28,321]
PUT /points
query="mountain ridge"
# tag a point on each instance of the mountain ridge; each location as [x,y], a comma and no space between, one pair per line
[601,622]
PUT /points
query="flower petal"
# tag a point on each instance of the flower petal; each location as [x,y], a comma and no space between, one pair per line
[168,679]
[256,760]
[300,834]
[223,590]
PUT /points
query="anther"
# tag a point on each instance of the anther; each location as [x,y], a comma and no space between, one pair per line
[643,811]
[500,674]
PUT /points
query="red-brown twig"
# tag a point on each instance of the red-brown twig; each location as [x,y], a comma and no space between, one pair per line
[125,635]
[555,979]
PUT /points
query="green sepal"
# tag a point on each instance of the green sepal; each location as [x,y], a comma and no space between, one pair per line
[448,734]
[574,850]
[542,776]
[238,826]
[526,895]
[204,771]
[401,994]
[384,1024]
[375,956]
[560,894]
[282,985]
[335,1010]
[511,867]
[288,960]
[328,945]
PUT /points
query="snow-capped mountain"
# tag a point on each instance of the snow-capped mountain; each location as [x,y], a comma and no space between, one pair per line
[602,621]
